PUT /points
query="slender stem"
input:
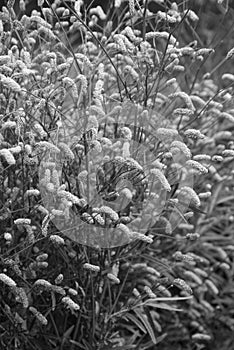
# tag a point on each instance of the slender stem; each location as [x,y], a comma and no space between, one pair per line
[102,47]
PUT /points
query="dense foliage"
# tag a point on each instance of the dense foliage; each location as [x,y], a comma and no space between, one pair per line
[116,175]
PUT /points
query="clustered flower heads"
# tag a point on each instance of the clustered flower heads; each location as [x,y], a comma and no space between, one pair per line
[7,280]
[38,316]
[182,147]
[70,304]
[101,136]
[91,267]
[162,179]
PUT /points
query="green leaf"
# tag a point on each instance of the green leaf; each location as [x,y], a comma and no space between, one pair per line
[68,332]
[161,306]
[147,324]
[225,199]
[134,320]
[151,321]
